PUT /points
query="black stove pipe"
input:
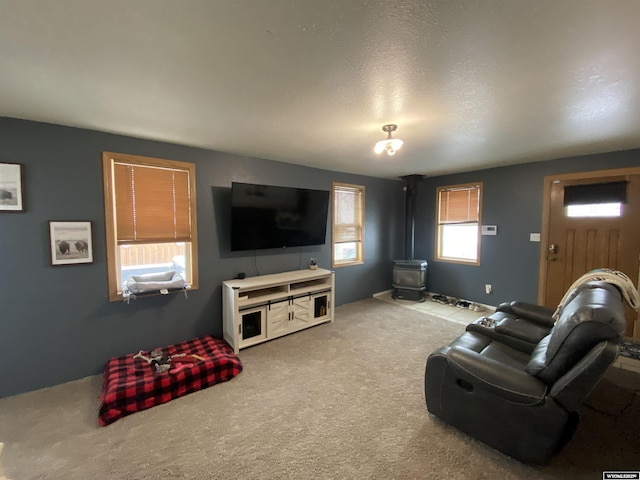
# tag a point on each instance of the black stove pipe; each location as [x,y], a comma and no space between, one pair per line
[411,192]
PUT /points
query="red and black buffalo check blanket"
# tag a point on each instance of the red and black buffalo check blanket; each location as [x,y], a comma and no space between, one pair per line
[131,384]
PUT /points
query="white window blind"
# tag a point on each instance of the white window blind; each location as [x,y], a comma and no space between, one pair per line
[348,224]
[347,214]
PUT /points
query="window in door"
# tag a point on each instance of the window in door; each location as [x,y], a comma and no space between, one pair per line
[348,224]
[458,229]
[595,200]
[150,218]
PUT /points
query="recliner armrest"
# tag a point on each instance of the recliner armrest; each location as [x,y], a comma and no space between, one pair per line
[482,372]
[529,311]
[575,386]
[522,329]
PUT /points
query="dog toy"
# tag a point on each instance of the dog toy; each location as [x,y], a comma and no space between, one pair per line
[164,362]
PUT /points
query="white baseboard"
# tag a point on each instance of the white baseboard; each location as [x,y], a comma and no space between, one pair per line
[389,292]
[380,294]
[489,308]
[627,363]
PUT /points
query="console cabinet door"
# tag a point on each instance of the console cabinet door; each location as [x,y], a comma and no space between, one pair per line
[253,326]
[300,314]
[278,319]
[320,306]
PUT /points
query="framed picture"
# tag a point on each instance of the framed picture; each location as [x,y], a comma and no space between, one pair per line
[70,243]
[11,187]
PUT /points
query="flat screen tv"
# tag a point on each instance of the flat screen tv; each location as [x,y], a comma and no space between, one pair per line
[266,216]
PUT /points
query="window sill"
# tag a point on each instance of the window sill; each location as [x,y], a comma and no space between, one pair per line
[473,263]
[347,264]
[123,297]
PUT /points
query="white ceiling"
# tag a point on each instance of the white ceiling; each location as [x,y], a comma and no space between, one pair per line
[471,83]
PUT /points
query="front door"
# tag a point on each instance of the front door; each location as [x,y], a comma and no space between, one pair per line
[576,242]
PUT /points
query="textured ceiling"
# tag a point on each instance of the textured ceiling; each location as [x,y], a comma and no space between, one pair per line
[471,83]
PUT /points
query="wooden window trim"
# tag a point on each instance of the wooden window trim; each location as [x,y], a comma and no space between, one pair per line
[108,160]
[438,247]
[359,244]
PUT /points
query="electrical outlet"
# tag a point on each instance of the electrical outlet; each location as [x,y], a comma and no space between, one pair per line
[488,289]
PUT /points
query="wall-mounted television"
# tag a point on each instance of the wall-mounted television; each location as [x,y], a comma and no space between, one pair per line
[267,216]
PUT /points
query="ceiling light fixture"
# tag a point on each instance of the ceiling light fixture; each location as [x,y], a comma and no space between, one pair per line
[390,145]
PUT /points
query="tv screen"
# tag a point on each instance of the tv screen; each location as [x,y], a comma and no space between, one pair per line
[266,216]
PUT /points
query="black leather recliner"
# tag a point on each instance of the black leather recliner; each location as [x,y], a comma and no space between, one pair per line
[522,397]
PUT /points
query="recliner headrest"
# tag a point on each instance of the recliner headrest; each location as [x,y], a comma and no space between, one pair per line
[594,314]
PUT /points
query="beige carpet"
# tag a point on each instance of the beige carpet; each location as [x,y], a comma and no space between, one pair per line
[338,401]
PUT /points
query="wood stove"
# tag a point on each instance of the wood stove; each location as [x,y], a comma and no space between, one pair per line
[410,279]
[410,276]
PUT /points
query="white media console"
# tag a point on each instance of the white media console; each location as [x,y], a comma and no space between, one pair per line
[257,309]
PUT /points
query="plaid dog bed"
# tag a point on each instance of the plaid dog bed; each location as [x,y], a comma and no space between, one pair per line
[132,384]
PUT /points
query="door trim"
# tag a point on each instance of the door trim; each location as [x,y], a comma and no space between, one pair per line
[546,205]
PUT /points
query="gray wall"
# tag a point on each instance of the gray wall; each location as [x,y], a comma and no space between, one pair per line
[56,323]
[512,200]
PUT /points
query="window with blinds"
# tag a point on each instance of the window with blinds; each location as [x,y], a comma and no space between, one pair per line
[458,214]
[150,215]
[348,224]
